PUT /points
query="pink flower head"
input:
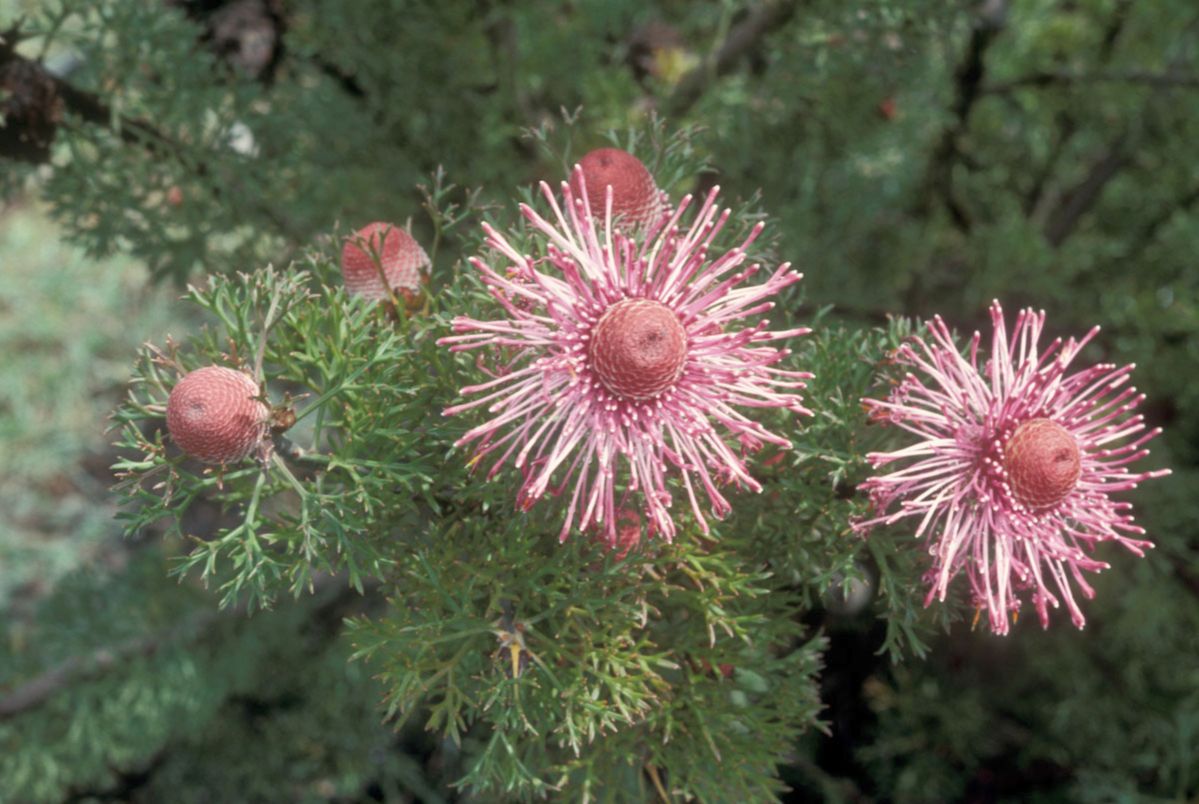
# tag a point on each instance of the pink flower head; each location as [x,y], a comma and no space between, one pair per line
[1014,466]
[627,353]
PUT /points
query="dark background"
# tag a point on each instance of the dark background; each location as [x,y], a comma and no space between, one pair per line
[917,158]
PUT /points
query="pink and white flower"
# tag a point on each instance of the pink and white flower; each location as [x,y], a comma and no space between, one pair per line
[1014,465]
[629,356]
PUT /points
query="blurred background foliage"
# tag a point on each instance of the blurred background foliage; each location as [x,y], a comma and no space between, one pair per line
[916,157]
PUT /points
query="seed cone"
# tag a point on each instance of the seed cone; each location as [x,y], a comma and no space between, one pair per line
[404,262]
[625,536]
[214,414]
[636,199]
[1042,462]
[638,348]
[628,532]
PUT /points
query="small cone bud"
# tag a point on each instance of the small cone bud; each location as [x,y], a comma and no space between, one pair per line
[627,536]
[638,348]
[636,199]
[214,414]
[628,532]
[403,262]
[1043,463]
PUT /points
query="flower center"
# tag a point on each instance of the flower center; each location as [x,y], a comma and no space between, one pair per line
[1042,462]
[638,348]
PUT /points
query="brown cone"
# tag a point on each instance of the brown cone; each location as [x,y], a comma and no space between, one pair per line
[213,414]
[404,262]
[636,199]
[638,348]
[1043,463]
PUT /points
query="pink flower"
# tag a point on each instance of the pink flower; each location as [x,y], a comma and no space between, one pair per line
[1014,465]
[628,357]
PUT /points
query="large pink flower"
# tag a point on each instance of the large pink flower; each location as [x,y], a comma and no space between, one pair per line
[1014,465]
[627,359]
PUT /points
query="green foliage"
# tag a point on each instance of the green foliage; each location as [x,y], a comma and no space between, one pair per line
[324,501]
[1059,719]
[208,701]
[914,158]
[562,668]
[552,665]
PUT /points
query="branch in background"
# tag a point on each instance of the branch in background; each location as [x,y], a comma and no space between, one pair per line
[1066,129]
[1113,29]
[139,132]
[345,80]
[1059,78]
[1079,199]
[36,101]
[1062,220]
[1152,229]
[1111,35]
[33,693]
[745,35]
[1037,200]
[968,80]
[30,108]
[65,97]
[1068,126]
[37,691]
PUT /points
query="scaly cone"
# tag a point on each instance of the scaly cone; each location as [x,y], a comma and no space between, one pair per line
[1042,462]
[381,251]
[636,199]
[214,414]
